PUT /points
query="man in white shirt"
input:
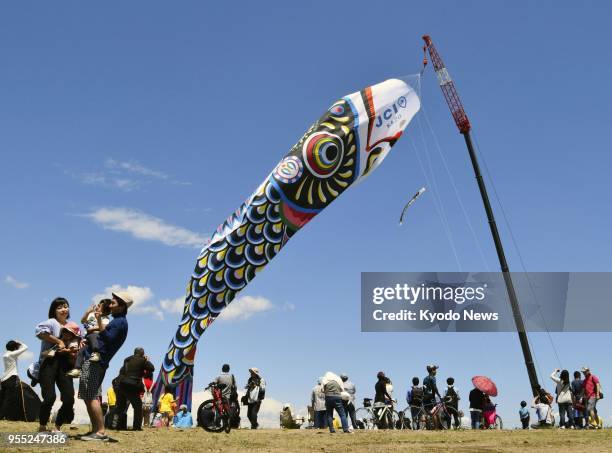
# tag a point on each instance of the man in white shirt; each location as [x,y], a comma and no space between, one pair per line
[349,388]
[9,379]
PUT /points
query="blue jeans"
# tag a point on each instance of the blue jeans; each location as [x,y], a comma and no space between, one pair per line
[475,419]
[320,419]
[331,403]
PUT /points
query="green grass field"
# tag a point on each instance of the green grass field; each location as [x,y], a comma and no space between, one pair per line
[275,440]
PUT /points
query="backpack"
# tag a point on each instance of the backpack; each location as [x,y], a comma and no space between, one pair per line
[451,396]
[547,398]
[147,398]
[234,390]
[416,397]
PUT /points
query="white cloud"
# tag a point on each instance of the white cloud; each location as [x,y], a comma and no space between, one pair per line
[105,180]
[135,167]
[244,307]
[288,306]
[141,296]
[15,283]
[125,176]
[144,226]
[172,305]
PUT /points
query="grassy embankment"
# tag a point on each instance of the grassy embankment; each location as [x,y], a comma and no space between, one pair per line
[162,440]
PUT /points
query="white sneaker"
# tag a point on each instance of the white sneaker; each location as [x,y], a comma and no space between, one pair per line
[95,357]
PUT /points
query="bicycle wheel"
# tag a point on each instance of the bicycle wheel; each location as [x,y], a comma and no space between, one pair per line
[418,420]
[364,418]
[395,420]
[428,421]
[209,418]
[383,418]
[498,422]
[404,421]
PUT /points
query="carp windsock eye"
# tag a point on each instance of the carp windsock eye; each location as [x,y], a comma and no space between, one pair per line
[323,154]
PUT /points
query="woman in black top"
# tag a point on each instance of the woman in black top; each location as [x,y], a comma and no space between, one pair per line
[381,396]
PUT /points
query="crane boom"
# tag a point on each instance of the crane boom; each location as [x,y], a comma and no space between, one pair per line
[463,123]
[448,87]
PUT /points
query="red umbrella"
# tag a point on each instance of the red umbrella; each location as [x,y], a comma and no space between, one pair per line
[485,385]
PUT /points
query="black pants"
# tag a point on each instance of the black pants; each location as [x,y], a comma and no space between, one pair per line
[414,414]
[454,413]
[525,422]
[5,387]
[252,411]
[52,373]
[349,409]
[128,393]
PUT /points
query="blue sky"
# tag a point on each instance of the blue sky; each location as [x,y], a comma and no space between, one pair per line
[130,131]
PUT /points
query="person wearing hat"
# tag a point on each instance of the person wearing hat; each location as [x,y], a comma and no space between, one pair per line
[183,418]
[592,392]
[430,388]
[53,366]
[317,399]
[255,393]
[349,406]
[110,339]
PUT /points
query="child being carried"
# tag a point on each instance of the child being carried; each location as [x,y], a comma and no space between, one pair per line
[93,330]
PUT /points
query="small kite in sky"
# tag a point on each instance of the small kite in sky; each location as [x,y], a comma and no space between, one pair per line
[412,200]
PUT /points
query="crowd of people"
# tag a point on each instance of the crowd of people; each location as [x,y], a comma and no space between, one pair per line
[576,402]
[69,351]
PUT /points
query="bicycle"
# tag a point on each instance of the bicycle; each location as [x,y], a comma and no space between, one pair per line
[377,416]
[365,416]
[214,414]
[497,420]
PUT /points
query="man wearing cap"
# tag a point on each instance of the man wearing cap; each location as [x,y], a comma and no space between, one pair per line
[255,393]
[592,391]
[349,406]
[110,339]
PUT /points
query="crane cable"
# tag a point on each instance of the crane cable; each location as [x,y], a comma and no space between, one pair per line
[431,182]
[445,220]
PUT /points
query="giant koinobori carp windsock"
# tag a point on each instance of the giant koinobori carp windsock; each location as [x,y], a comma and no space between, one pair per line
[343,147]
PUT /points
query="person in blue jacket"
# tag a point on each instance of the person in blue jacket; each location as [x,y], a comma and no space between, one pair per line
[183,419]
